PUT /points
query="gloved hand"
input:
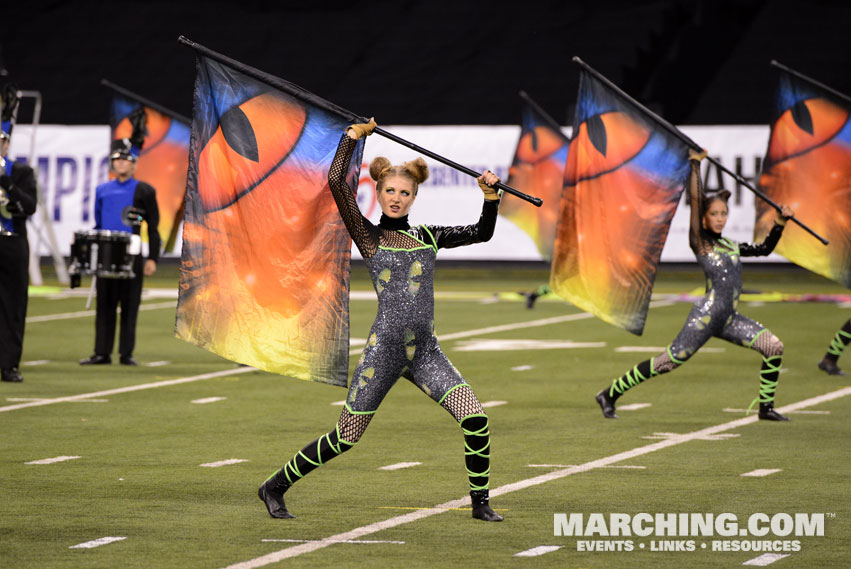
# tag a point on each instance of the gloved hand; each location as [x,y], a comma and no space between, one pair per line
[359,130]
[138,120]
[695,155]
[486,182]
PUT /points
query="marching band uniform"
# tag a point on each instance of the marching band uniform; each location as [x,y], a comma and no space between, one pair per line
[18,183]
[118,202]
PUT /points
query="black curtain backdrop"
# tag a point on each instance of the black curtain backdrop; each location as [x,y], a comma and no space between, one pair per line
[433,62]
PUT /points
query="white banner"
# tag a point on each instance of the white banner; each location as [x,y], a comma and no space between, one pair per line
[71,161]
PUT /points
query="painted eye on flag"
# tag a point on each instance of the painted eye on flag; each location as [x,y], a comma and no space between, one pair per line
[807,124]
[594,153]
[250,143]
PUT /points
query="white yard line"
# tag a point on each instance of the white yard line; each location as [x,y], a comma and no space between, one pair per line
[540,550]
[359,541]
[227,462]
[96,542]
[761,472]
[399,465]
[128,389]
[207,400]
[765,559]
[84,313]
[376,527]
[53,460]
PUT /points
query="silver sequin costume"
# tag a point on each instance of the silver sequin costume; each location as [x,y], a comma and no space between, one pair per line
[401,264]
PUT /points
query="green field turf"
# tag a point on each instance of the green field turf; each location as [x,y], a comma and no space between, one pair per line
[139,475]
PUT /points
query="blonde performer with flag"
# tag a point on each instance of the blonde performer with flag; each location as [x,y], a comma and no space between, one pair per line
[401,261]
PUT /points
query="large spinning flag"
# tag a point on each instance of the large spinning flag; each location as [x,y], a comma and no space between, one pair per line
[264,277]
[538,168]
[623,180]
[164,156]
[808,167]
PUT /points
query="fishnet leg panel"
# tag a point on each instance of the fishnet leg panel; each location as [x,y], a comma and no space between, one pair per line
[352,426]
[768,345]
[663,363]
[462,402]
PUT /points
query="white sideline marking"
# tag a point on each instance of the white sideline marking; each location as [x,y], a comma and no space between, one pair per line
[527,324]
[227,462]
[128,389]
[339,403]
[208,400]
[801,412]
[157,364]
[501,345]
[634,406]
[765,559]
[760,472]
[42,399]
[654,349]
[82,313]
[706,438]
[358,541]
[574,466]
[35,363]
[488,404]
[300,549]
[52,460]
[96,542]
[540,550]
[399,465]
[522,368]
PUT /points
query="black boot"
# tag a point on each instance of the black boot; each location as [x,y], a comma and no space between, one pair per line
[607,404]
[767,412]
[481,508]
[829,366]
[272,494]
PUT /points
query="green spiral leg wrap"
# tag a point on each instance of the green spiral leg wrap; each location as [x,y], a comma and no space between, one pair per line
[312,456]
[838,343]
[477,450]
[639,373]
[767,380]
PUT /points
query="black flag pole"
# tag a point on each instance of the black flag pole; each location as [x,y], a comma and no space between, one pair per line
[138,98]
[303,94]
[695,146]
[543,114]
[812,81]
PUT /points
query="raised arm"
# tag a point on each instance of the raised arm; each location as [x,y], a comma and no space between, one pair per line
[770,242]
[695,241]
[358,226]
[456,236]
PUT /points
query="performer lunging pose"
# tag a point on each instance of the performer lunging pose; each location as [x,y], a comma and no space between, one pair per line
[837,345]
[714,314]
[401,342]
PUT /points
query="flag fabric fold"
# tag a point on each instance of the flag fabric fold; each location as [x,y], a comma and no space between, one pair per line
[537,169]
[807,166]
[163,159]
[264,275]
[623,180]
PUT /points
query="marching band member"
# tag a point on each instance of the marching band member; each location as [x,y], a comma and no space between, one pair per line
[402,343]
[117,202]
[17,201]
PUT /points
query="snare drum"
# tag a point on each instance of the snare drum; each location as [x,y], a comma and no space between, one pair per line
[102,253]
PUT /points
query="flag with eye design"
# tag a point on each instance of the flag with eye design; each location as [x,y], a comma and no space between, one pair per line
[163,159]
[622,183]
[537,169]
[808,167]
[264,276]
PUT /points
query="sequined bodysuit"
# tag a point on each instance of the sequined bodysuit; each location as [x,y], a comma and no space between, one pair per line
[401,263]
[715,314]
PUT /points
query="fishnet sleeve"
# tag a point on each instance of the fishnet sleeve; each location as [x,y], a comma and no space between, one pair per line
[697,243]
[364,233]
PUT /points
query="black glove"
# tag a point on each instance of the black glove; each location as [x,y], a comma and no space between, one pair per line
[138,121]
